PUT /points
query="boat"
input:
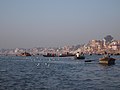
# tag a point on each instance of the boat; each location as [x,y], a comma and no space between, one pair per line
[50,55]
[24,54]
[66,55]
[80,57]
[58,55]
[107,60]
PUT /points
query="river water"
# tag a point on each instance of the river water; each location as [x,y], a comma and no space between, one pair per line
[57,73]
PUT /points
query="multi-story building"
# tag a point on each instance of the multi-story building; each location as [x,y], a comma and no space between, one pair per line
[115,45]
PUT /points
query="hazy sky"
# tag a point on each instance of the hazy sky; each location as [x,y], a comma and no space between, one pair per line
[36,23]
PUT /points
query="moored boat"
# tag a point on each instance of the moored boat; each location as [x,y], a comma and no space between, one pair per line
[58,55]
[24,54]
[50,55]
[66,55]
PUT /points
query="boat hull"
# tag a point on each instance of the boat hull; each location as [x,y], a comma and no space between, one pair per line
[108,61]
[81,57]
[49,55]
[24,54]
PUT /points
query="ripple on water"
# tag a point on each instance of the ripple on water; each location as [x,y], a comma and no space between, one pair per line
[37,73]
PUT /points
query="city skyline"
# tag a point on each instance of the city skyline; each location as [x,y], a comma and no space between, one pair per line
[52,23]
[106,39]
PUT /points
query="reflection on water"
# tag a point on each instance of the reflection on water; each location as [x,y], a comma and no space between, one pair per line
[37,73]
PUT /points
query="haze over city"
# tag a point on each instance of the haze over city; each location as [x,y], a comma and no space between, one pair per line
[55,23]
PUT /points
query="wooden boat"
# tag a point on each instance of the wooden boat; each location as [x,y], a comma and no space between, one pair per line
[107,60]
[24,54]
[56,55]
[50,55]
[80,57]
[66,55]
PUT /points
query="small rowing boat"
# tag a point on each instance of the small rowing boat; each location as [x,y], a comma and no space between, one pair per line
[107,60]
[80,57]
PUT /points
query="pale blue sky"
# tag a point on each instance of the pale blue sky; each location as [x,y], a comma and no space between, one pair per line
[44,23]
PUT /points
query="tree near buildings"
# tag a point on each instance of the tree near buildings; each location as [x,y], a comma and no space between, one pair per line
[108,38]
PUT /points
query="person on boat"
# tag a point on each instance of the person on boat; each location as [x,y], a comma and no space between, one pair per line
[106,55]
[82,54]
[77,54]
